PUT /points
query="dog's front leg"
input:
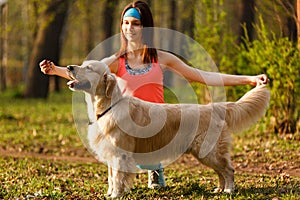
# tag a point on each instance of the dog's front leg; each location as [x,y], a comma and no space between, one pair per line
[122,182]
[110,182]
[117,182]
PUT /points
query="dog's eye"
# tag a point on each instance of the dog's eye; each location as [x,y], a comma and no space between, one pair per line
[89,68]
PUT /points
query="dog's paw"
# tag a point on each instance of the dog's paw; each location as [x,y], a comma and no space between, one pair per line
[228,191]
[106,196]
[112,196]
[218,190]
[115,195]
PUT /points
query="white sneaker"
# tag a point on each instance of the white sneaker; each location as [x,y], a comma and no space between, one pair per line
[156,178]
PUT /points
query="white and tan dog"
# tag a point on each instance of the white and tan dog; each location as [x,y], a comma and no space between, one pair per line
[128,131]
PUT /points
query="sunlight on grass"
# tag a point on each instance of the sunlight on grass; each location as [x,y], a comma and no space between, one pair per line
[41,139]
[40,126]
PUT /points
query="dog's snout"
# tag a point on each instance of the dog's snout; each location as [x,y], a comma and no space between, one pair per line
[70,67]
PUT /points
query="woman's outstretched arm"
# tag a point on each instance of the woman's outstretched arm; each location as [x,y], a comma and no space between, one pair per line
[209,78]
[48,67]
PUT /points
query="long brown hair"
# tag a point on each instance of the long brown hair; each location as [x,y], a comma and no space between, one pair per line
[149,52]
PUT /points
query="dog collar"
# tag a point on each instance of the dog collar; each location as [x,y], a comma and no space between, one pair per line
[108,109]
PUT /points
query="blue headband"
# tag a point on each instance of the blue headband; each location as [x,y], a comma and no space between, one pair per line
[132,12]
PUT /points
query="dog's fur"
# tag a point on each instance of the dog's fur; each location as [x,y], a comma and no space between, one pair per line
[204,129]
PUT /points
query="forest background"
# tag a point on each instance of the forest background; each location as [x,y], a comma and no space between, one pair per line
[242,37]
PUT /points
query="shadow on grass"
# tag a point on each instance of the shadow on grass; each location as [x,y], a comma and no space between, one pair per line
[189,191]
[196,191]
[269,192]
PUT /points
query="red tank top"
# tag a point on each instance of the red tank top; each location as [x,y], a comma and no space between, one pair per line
[147,85]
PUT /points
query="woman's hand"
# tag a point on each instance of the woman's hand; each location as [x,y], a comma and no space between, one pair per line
[261,79]
[47,67]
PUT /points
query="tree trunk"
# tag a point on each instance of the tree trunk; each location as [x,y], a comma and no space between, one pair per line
[108,20]
[188,18]
[290,26]
[46,45]
[3,46]
[247,20]
[168,75]
[298,23]
[88,28]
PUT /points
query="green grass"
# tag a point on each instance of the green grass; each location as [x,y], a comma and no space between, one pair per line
[40,139]
[40,126]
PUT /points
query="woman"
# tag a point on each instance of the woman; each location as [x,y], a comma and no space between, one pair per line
[142,68]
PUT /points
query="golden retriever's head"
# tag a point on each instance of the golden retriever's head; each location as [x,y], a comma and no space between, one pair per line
[91,77]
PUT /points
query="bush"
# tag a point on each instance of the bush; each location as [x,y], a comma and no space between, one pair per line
[214,35]
[279,58]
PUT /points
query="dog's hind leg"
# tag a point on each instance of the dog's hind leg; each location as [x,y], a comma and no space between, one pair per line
[219,160]
[221,164]
[226,178]
[221,186]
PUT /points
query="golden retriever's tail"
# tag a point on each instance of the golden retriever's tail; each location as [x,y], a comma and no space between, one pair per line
[248,109]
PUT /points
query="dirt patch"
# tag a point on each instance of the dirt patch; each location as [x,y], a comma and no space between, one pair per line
[4,153]
[287,168]
[188,161]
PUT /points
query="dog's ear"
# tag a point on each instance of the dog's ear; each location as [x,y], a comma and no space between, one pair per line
[110,83]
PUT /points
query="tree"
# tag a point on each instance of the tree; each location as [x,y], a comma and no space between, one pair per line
[87,14]
[290,21]
[3,45]
[298,23]
[46,45]
[247,20]
[108,12]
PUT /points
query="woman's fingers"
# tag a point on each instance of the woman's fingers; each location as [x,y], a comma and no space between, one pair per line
[262,79]
[46,66]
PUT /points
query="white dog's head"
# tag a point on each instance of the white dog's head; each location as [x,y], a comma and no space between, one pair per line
[92,77]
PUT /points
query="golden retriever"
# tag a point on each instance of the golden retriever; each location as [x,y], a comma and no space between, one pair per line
[126,132]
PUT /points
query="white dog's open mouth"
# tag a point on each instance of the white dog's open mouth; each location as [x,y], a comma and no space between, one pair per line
[72,83]
[76,83]
[73,80]
[79,85]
